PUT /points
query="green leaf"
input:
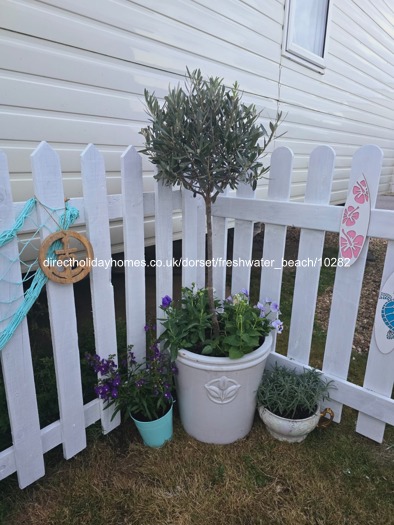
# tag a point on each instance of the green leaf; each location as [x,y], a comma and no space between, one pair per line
[235,353]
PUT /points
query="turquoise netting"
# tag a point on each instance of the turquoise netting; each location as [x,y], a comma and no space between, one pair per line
[18,304]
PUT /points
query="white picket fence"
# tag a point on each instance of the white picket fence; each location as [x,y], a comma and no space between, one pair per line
[97,210]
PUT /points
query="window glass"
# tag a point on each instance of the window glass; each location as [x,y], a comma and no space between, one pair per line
[310,19]
[304,38]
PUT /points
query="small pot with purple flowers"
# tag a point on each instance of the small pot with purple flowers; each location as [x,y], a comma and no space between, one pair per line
[141,390]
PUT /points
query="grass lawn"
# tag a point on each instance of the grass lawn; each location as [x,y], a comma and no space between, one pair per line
[335,477]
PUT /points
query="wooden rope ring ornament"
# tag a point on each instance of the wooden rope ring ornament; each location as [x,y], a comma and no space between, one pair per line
[65,268]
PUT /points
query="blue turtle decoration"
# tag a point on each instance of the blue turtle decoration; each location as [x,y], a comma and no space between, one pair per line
[388,313]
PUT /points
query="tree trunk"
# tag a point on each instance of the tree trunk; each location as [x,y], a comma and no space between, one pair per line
[208,210]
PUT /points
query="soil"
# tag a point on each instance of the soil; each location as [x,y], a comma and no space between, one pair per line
[369,294]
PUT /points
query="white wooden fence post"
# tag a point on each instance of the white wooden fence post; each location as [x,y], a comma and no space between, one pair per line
[219,251]
[348,280]
[48,187]
[242,246]
[16,358]
[275,235]
[379,374]
[193,239]
[318,191]
[134,249]
[97,229]
[164,239]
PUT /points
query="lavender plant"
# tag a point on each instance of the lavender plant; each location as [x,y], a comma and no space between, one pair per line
[290,394]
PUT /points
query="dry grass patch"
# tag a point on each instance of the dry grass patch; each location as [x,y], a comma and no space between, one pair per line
[336,476]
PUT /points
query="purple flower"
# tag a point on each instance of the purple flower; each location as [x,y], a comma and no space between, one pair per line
[262,309]
[114,393]
[98,391]
[278,325]
[146,328]
[156,350]
[274,307]
[116,381]
[104,366]
[166,301]
[131,358]
[229,299]
[245,292]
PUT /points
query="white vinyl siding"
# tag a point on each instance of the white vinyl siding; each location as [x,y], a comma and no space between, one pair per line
[73,72]
[350,105]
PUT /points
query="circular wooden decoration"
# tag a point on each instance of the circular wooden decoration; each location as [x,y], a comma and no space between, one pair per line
[66,268]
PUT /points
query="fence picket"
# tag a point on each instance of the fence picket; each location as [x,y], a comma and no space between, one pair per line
[314,216]
[97,229]
[219,250]
[16,360]
[379,371]
[193,239]
[242,246]
[164,250]
[201,240]
[318,190]
[134,249]
[348,280]
[47,179]
[274,235]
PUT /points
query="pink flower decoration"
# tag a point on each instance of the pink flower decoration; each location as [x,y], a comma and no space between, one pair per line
[360,192]
[351,244]
[350,215]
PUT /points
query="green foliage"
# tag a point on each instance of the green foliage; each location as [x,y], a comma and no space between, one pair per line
[142,390]
[205,138]
[292,395]
[242,327]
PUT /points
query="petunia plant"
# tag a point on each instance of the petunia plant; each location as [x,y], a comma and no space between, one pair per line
[242,326]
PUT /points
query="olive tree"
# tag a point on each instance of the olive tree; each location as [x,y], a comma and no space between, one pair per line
[204,138]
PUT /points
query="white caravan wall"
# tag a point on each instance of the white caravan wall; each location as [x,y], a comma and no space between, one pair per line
[73,72]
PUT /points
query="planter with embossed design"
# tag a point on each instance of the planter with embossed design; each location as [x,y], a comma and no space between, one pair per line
[217,395]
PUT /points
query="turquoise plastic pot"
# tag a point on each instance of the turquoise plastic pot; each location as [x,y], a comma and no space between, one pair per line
[155,433]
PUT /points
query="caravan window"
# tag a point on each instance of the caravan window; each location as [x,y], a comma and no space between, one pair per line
[306,31]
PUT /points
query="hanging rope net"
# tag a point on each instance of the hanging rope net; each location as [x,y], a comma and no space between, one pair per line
[19,302]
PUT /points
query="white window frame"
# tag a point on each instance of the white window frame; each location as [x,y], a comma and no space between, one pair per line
[297,53]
